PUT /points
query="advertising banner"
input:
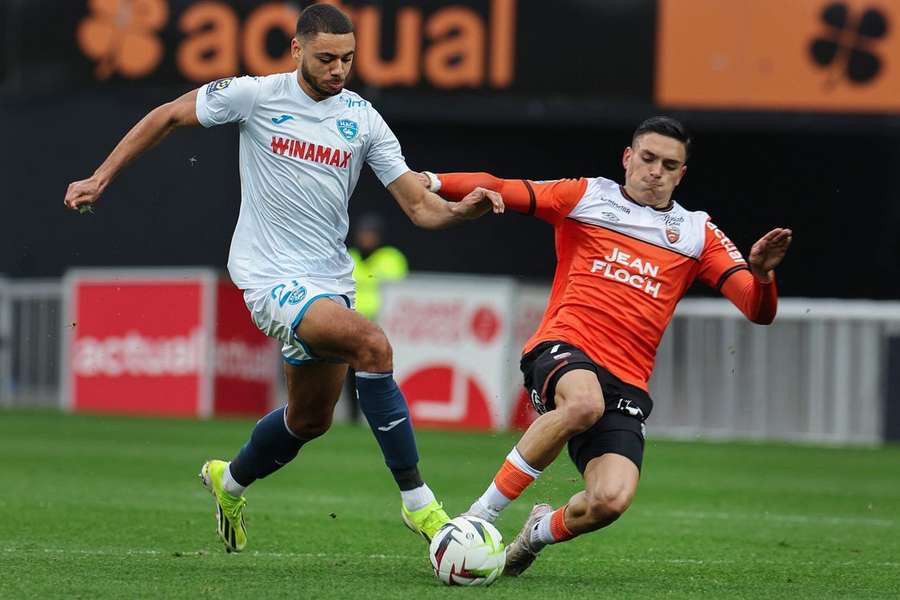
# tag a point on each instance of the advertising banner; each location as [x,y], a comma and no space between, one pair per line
[247,362]
[494,55]
[530,302]
[452,348]
[497,60]
[162,342]
[811,55]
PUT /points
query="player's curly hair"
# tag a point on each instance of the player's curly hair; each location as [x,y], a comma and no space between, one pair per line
[666,126]
[323,18]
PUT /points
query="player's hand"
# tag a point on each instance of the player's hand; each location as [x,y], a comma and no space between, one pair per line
[478,202]
[768,252]
[81,194]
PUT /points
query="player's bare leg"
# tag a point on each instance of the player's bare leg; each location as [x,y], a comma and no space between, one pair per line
[331,330]
[579,404]
[611,481]
[334,331]
[313,392]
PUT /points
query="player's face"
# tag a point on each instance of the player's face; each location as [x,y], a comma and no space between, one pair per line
[325,60]
[654,165]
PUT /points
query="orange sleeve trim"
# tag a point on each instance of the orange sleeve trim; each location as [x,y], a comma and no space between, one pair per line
[511,481]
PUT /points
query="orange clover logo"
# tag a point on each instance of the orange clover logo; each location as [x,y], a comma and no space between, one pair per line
[120,36]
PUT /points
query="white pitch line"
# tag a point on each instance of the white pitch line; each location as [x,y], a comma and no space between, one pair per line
[766,516]
[419,558]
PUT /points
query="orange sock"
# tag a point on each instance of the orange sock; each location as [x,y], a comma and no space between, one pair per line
[508,484]
[551,529]
[512,481]
[558,528]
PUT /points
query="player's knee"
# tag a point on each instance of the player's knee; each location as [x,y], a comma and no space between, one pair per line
[308,427]
[581,410]
[375,353]
[608,502]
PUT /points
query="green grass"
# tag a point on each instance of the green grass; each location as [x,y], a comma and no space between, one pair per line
[103,507]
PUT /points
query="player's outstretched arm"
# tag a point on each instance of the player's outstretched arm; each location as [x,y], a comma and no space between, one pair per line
[547,200]
[751,286]
[430,211]
[768,252]
[455,186]
[148,132]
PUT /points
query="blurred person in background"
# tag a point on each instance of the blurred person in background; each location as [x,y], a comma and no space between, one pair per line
[373,263]
[626,254]
[303,142]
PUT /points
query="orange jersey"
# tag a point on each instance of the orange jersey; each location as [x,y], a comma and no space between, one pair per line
[622,267]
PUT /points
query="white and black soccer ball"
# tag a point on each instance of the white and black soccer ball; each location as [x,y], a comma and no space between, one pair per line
[467,551]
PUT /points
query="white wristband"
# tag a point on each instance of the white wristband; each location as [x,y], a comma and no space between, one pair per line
[434,184]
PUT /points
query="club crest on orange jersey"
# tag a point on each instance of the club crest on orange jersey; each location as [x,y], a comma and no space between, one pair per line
[673,228]
[673,234]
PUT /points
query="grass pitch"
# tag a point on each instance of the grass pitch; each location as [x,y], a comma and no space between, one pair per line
[106,507]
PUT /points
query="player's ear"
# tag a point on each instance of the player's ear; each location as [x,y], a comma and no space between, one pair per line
[626,156]
[681,173]
[295,49]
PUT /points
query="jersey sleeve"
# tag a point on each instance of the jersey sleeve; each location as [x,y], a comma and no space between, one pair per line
[229,100]
[723,268]
[551,201]
[384,154]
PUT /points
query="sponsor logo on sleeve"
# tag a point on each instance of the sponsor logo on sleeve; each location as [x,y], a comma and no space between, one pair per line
[729,246]
[218,85]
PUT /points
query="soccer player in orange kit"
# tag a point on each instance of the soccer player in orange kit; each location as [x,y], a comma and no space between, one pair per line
[626,254]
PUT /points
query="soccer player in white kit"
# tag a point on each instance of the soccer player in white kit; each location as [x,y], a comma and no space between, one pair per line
[303,141]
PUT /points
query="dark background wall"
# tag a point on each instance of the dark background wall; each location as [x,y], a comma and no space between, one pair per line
[837,191]
[567,113]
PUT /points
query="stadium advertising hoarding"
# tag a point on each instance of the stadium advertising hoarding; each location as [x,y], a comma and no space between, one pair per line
[163,342]
[409,53]
[496,59]
[769,54]
[452,348]
[454,45]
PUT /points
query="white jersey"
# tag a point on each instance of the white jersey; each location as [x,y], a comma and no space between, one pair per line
[299,163]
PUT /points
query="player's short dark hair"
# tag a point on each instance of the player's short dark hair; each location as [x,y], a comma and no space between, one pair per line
[323,18]
[666,126]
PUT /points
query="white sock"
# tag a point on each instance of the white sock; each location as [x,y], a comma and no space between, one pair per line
[515,458]
[540,533]
[417,498]
[492,501]
[489,505]
[230,485]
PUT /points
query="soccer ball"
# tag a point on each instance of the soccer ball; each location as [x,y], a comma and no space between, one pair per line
[467,551]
